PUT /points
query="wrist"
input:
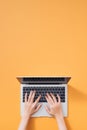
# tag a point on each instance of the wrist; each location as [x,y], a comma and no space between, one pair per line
[59,116]
[25,117]
[24,123]
[61,122]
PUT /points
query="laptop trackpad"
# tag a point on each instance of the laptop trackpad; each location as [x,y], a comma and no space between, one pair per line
[42,111]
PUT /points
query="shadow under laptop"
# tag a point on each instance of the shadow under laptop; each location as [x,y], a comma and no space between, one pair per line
[75,97]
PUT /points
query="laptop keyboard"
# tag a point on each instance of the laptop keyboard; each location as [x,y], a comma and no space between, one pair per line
[43,90]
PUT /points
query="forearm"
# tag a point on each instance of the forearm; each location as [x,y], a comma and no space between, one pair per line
[23,124]
[61,123]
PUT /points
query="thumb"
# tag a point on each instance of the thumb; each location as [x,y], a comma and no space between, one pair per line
[48,109]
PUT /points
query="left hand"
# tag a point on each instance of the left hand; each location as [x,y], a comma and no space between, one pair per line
[30,106]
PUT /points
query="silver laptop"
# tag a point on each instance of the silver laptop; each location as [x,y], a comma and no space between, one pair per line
[43,85]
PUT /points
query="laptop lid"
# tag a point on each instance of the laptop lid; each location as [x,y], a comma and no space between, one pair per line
[43,80]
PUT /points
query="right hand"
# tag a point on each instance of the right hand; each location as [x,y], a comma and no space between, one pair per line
[55,107]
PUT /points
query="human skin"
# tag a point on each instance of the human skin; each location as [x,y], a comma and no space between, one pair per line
[54,108]
[30,107]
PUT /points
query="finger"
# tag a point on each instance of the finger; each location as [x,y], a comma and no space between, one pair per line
[33,95]
[47,100]
[37,100]
[50,99]
[25,97]
[30,95]
[38,107]
[54,98]
[47,109]
[59,100]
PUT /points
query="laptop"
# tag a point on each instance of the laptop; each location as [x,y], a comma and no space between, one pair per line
[43,85]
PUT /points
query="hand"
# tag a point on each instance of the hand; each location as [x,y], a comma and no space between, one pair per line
[55,107]
[30,106]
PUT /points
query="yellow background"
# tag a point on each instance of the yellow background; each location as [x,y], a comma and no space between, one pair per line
[43,37]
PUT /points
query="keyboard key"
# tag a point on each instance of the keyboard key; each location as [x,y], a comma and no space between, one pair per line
[43,90]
